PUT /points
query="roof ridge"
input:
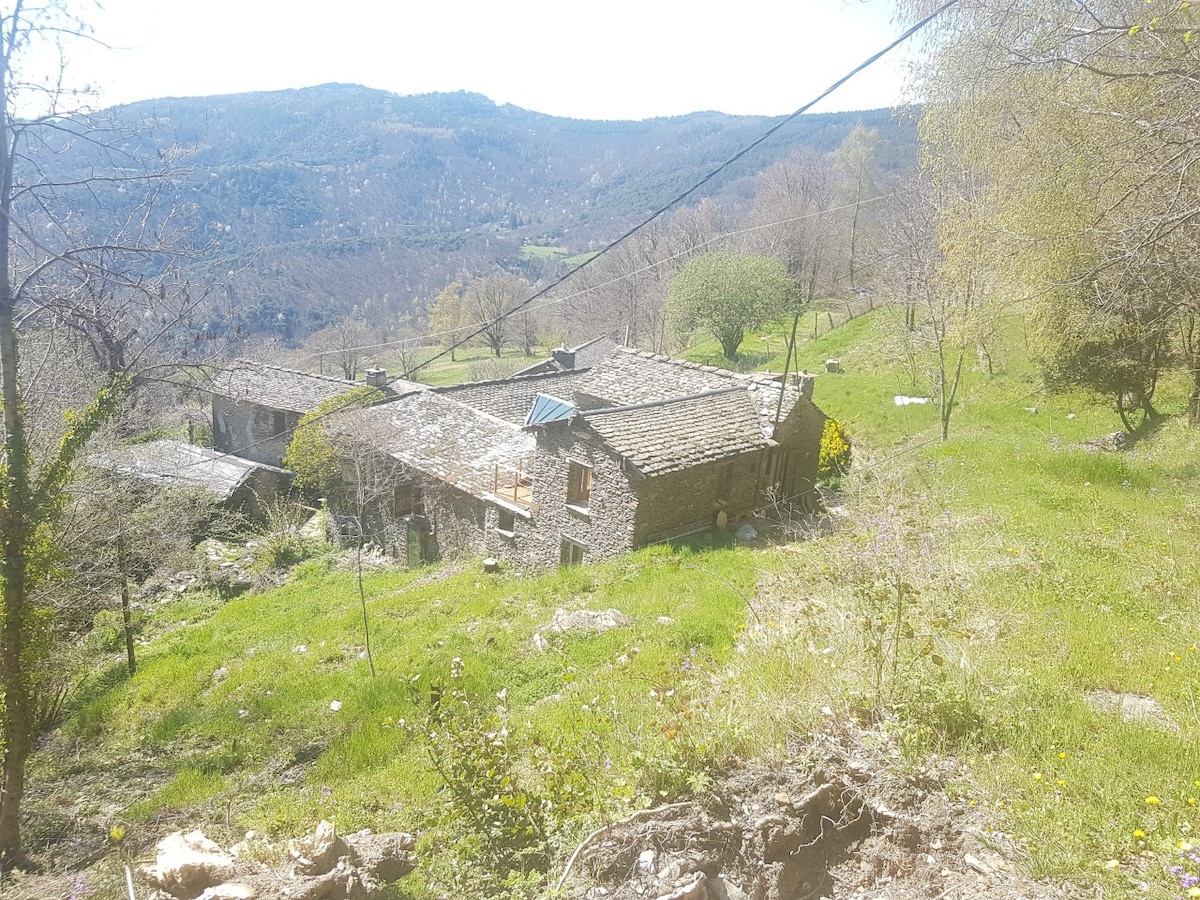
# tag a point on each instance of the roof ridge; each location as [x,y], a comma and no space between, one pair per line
[649,404]
[511,379]
[755,377]
[263,365]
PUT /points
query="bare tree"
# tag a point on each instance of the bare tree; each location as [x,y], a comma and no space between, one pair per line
[487,302]
[342,346]
[115,290]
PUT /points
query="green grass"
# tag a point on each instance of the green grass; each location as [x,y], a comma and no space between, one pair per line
[446,371]
[228,698]
[1039,571]
[535,251]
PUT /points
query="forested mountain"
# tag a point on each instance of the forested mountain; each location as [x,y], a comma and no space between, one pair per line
[334,197]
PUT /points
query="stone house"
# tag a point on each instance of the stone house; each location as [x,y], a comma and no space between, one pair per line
[236,483]
[576,465]
[256,406]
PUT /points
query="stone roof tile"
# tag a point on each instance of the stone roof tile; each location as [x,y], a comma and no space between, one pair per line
[180,464]
[274,387]
[511,399]
[628,376]
[439,436]
[658,437]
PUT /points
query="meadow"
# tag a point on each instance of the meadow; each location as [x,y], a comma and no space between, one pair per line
[981,599]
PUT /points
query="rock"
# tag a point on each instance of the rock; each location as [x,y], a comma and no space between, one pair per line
[221,674]
[665,620]
[783,799]
[490,565]
[746,533]
[833,366]
[229,891]
[186,865]
[539,642]
[386,857]
[318,854]
[588,620]
[976,865]
[694,890]
[645,862]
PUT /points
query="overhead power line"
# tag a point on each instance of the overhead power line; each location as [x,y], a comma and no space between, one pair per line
[869,61]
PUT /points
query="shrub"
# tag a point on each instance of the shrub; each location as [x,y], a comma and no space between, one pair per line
[836,452]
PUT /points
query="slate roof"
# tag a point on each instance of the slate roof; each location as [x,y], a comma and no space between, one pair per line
[563,359]
[437,435]
[511,399]
[180,464]
[274,387]
[627,376]
[664,436]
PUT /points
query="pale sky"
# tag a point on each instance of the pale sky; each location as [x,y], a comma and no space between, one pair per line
[625,59]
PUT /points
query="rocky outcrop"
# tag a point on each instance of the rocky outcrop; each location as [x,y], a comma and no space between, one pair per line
[320,866]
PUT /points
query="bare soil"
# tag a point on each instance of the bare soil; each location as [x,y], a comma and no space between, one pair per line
[840,821]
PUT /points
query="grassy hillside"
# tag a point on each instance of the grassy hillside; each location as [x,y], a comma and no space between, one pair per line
[982,599]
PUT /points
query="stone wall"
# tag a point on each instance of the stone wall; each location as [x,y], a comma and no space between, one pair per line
[682,502]
[800,433]
[249,431]
[604,528]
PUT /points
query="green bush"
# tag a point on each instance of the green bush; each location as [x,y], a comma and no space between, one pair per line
[836,452]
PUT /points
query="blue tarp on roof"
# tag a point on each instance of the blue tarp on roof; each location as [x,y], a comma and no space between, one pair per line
[548,409]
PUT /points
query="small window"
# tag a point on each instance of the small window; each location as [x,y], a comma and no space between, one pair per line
[579,484]
[278,423]
[571,553]
[407,500]
[506,522]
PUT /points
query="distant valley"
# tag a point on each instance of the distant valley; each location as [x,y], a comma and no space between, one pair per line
[335,198]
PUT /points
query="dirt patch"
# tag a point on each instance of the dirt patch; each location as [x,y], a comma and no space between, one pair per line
[1132,708]
[841,822]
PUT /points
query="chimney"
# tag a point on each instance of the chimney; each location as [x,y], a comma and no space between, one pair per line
[804,381]
[564,357]
[376,378]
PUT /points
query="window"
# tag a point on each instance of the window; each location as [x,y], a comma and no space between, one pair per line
[278,423]
[579,484]
[506,522]
[571,553]
[407,500]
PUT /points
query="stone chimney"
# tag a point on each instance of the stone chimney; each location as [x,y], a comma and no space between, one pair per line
[564,357]
[376,378]
[804,381]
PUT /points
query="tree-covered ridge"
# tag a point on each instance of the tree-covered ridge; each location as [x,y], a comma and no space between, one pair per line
[340,196]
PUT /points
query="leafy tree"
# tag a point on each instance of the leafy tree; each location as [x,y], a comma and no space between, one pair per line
[447,315]
[725,293]
[858,168]
[1078,120]
[312,454]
